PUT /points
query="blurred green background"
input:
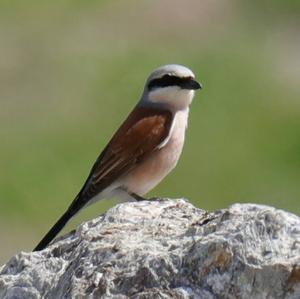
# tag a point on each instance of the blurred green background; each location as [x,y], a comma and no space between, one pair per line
[70,71]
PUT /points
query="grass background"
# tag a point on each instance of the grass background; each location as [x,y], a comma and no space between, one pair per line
[70,71]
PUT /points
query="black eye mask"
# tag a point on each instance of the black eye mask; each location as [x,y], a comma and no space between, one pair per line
[169,80]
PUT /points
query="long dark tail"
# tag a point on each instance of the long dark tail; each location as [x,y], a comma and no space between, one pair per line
[59,225]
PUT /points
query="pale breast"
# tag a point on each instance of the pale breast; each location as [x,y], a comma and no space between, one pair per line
[146,176]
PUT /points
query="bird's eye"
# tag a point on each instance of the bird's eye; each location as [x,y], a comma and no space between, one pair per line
[164,81]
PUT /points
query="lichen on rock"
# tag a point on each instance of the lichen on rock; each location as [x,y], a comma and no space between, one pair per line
[165,249]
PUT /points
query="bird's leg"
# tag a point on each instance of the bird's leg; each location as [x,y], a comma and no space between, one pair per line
[136,196]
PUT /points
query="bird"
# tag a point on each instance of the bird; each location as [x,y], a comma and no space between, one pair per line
[144,149]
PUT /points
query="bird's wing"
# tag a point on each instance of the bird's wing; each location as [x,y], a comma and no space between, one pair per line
[144,131]
[138,137]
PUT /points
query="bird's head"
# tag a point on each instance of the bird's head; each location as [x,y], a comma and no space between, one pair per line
[171,85]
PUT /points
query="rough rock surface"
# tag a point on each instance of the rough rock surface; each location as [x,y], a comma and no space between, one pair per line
[166,249]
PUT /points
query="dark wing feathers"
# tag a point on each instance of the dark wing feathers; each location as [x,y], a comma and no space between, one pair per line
[136,139]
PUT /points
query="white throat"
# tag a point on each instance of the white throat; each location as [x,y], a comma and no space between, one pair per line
[173,97]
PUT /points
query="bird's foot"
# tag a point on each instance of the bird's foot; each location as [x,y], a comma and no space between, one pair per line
[137,197]
[159,199]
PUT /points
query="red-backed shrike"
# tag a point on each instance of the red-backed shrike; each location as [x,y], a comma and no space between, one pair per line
[144,149]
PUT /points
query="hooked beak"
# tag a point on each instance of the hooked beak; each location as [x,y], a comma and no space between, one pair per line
[192,84]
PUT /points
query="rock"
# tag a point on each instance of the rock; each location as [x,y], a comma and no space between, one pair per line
[165,249]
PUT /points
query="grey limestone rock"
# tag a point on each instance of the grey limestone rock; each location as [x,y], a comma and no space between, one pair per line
[165,249]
